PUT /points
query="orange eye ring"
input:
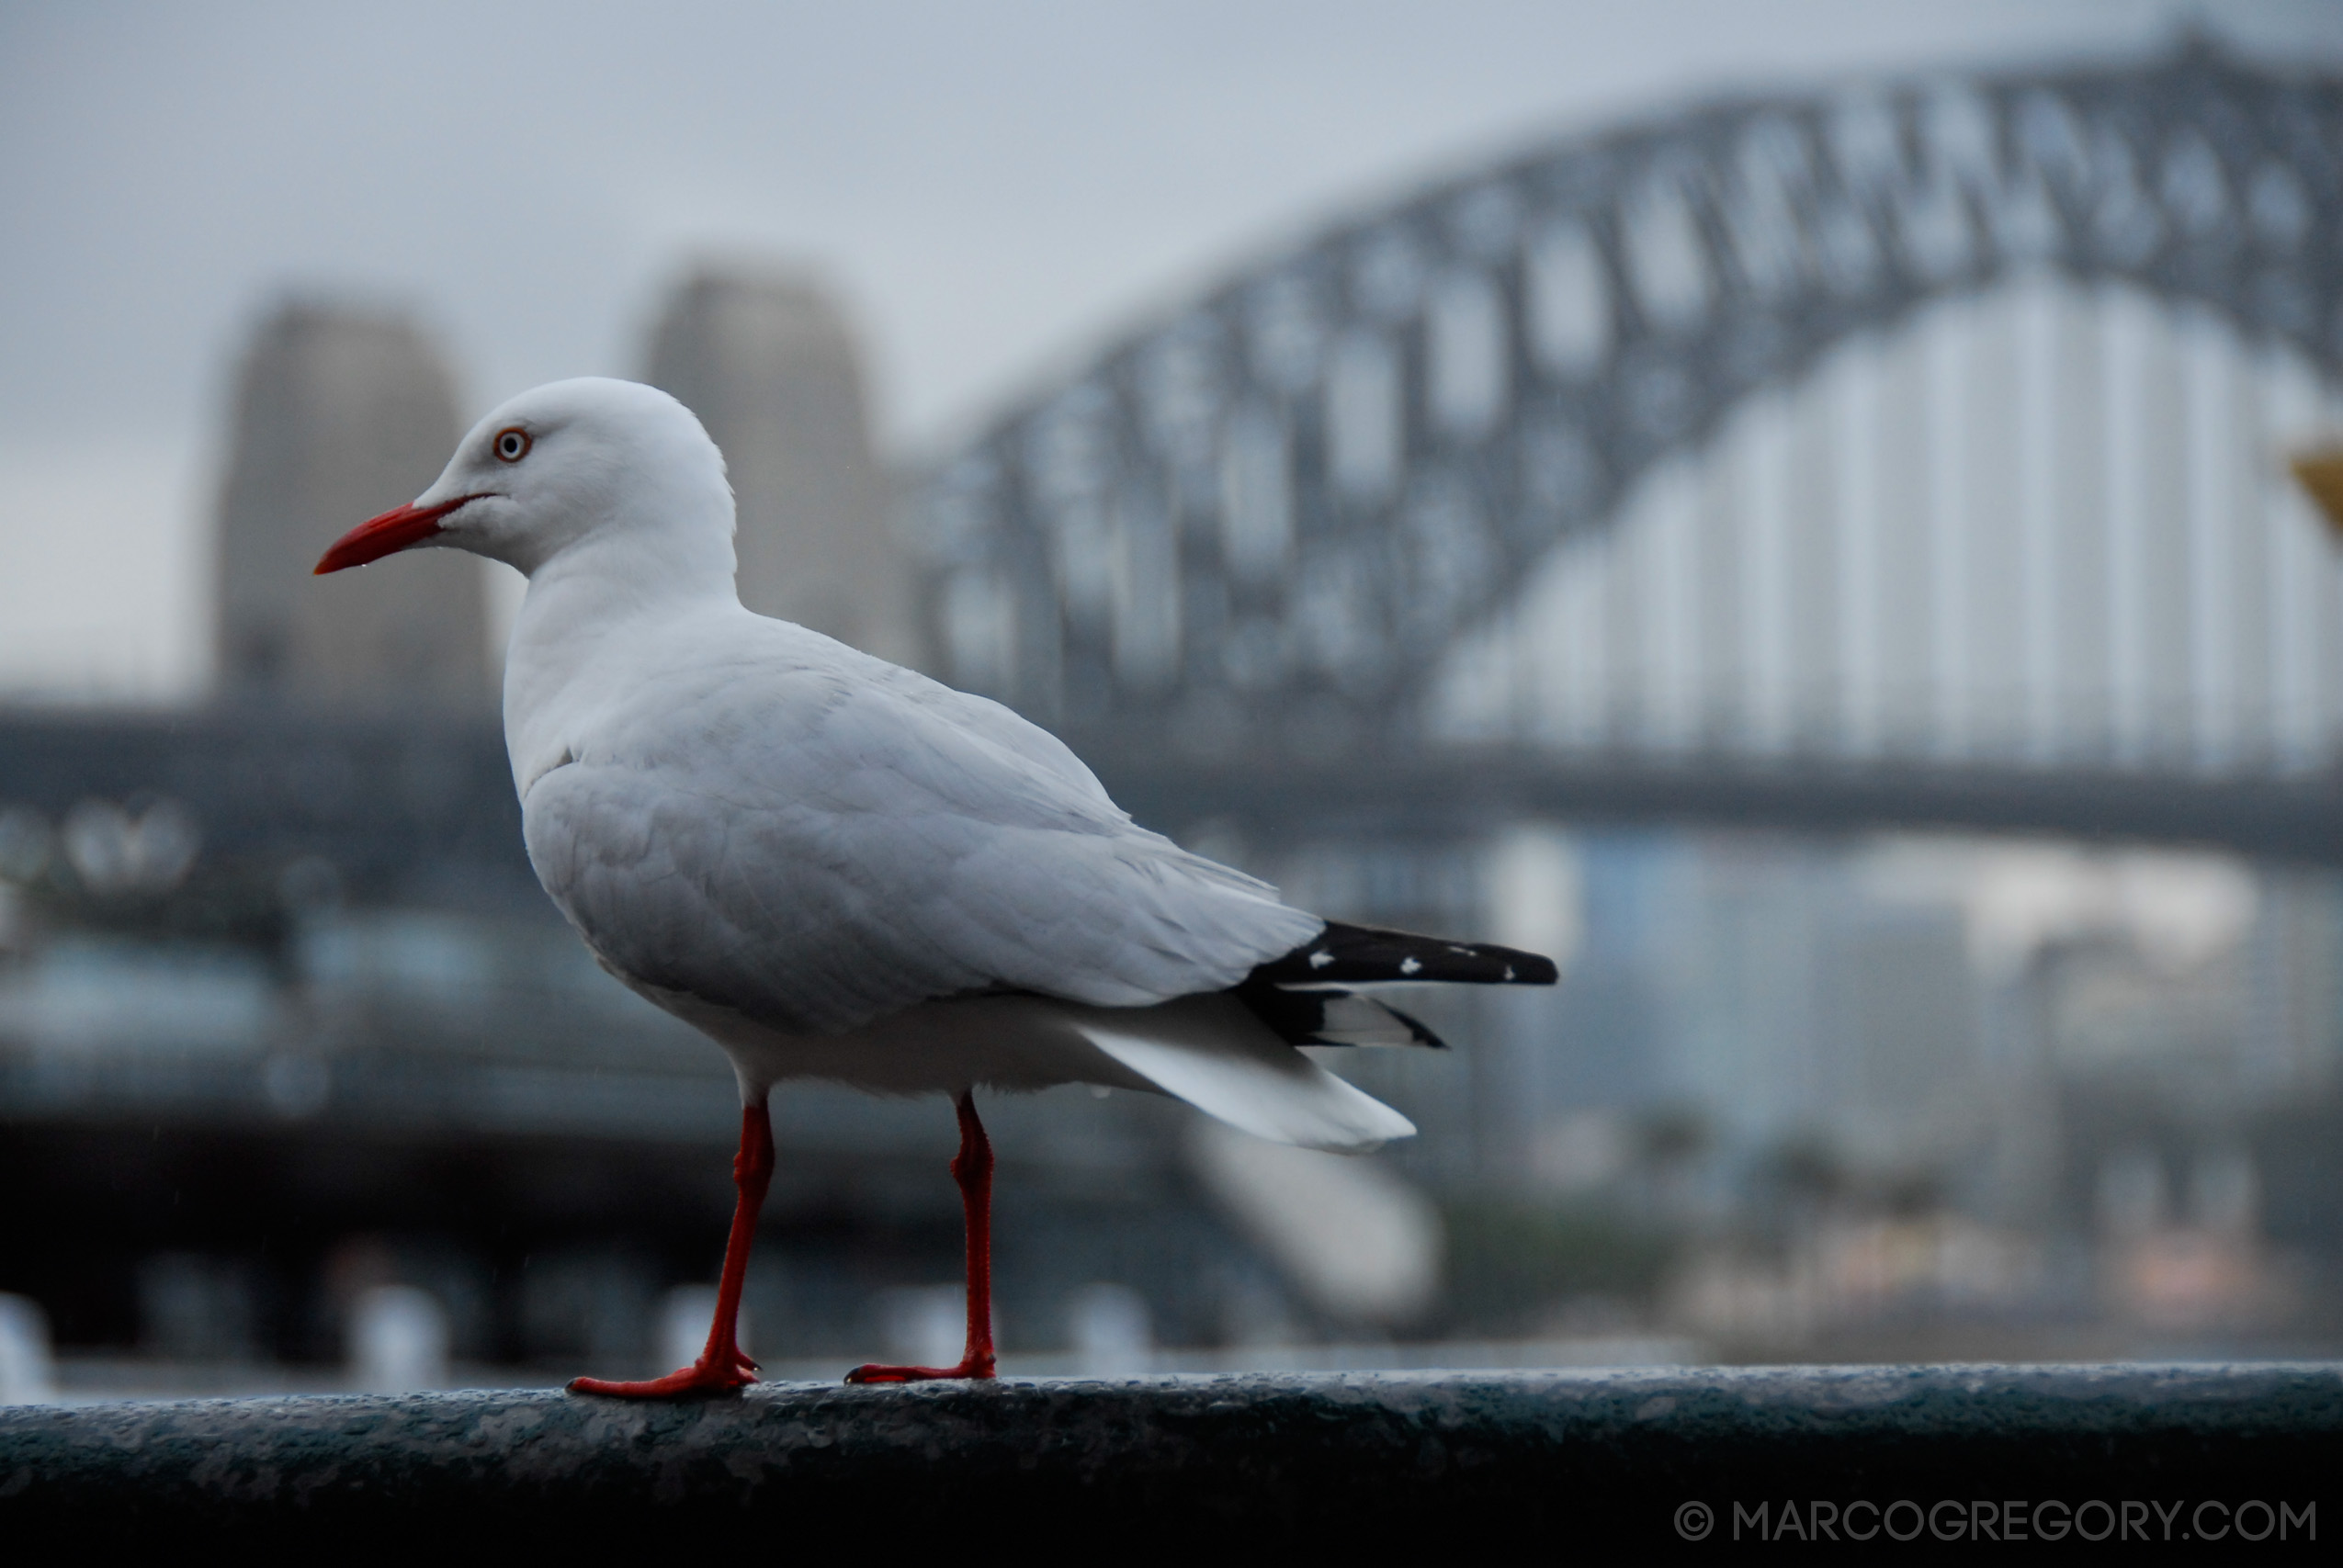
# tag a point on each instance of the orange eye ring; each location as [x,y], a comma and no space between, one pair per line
[511,444]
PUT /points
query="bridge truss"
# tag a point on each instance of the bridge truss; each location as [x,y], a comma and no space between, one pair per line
[1265,525]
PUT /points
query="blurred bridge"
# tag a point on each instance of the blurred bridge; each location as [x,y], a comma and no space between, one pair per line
[1908,454]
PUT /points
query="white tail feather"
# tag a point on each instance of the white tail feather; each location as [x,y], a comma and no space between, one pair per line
[1240,1073]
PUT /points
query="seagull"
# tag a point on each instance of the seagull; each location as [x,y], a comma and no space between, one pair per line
[839,869]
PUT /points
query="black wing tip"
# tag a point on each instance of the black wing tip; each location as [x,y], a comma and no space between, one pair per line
[1365,954]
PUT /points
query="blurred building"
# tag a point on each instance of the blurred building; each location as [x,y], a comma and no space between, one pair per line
[340,414]
[772,369]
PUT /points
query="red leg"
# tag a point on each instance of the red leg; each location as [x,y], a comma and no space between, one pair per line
[972,1168]
[720,1368]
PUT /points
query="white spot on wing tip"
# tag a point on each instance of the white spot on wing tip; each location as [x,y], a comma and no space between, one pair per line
[1409,967]
[1320,959]
[1509,971]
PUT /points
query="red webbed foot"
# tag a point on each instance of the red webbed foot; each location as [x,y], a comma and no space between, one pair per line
[722,1368]
[700,1379]
[974,1368]
[972,1169]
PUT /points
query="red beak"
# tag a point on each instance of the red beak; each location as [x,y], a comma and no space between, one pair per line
[395,531]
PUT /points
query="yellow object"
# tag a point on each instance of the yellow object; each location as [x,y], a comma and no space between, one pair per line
[2321,473]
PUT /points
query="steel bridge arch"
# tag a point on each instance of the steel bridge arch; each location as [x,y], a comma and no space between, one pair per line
[1269,514]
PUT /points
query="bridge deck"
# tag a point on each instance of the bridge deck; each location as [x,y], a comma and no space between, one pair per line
[1460,792]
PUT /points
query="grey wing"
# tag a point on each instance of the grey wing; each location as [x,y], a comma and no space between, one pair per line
[832,851]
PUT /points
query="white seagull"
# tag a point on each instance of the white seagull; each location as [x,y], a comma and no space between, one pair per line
[839,869]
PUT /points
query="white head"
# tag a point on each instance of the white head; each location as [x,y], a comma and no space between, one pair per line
[569,468]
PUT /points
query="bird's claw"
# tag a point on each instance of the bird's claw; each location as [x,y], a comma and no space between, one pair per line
[874,1372]
[701,1379]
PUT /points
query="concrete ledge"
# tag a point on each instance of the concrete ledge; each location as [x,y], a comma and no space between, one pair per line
[1574,1459]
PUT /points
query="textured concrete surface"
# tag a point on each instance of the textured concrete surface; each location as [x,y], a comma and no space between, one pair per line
[1596,1459]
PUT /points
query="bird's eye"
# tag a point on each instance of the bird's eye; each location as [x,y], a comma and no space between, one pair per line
[512,445]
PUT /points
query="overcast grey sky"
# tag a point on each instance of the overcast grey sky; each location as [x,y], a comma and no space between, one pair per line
[990,184]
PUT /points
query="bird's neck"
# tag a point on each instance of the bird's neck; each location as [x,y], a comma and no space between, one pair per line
[597,610]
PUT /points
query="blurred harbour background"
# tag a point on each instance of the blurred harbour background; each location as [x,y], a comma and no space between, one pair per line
[1817,556]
